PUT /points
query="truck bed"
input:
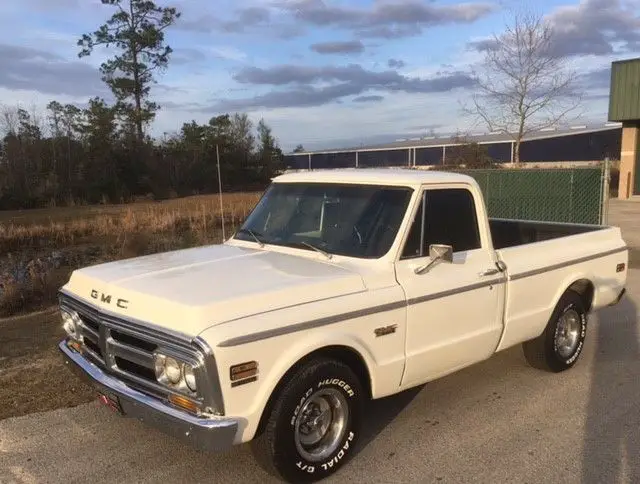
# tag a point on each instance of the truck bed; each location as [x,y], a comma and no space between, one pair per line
[510,233]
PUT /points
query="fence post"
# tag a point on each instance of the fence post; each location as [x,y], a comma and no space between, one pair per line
[488,182]
[571,195]
[604,199]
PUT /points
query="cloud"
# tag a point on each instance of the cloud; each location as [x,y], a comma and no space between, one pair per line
[187,55]
[593,27]
[304,96]
[254,19]
[396,63]
[352,73]
[30,69]
[180,106]
[44,5]
[368,99]
[381,19]
[190,55]
[245,18]
[248,17]
[386,19]
[339,82]
[348,47]
[228,53]
[597,79]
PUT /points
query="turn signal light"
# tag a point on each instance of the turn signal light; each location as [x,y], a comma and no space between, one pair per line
[183,403]
[244,370]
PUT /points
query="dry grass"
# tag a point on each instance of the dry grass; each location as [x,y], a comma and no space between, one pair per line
[62,227]
[92,234]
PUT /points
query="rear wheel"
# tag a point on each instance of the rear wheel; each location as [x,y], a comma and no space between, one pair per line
[561,344]
[314,423]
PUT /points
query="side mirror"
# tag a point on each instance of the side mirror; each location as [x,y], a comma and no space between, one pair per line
[437,253]
[440,252]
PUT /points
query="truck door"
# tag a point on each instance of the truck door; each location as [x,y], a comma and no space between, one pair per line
[454,314]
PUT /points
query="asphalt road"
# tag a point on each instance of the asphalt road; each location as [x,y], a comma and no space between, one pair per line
[498,421]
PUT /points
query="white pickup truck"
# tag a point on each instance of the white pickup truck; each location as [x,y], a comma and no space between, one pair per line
[340,287]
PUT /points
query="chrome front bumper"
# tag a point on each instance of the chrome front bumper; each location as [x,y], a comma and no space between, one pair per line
[209,434]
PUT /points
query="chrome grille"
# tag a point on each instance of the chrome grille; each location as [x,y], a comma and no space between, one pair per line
[125,349]
[90,332]
[115,349]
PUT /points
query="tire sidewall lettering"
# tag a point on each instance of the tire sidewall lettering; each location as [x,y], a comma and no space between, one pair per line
[301,403]
[306,467]
[341,453]
[339,383]
[347,443]
[583,331]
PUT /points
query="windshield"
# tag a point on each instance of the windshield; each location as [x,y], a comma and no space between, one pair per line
[350,220]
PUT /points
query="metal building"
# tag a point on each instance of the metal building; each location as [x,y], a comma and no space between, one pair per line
[573,144]
[624,106]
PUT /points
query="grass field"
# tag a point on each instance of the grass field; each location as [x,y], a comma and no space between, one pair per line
[39,248]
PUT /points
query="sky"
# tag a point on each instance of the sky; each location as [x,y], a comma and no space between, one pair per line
[321,73]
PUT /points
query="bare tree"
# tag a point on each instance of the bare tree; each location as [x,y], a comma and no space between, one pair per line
[524,83]
[8,120]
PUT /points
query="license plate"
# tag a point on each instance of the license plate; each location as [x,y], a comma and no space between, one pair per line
[111,401]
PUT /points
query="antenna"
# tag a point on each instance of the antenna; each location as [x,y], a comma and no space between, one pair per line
[220,191]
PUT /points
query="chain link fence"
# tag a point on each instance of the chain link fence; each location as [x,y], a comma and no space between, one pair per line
[566,195]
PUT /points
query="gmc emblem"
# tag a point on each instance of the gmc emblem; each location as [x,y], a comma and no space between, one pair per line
[106,298]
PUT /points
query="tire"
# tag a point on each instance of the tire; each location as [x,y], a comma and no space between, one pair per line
[279,447]
[554,350]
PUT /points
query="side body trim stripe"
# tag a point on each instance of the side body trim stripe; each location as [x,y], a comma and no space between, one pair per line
[453,292]
[316,323]
[561,265]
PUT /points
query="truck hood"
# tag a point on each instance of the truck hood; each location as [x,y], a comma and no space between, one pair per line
[190,290]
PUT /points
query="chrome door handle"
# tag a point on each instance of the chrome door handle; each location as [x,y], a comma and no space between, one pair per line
[489,272]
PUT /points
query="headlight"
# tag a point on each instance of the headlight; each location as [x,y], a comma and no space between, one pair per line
[174,373]
[189,377]
[173,370]
[70,320]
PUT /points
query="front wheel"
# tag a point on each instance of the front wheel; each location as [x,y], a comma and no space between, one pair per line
[560,345]
[314,423]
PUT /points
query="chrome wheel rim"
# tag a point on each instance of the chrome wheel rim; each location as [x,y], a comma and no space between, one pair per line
[321,424]
[568,333]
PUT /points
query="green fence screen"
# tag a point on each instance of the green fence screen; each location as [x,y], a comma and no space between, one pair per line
[569,195]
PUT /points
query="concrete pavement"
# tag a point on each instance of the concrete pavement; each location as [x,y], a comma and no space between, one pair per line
[498,421]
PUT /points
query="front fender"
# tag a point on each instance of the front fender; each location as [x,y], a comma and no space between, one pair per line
[279,351]
[275,358]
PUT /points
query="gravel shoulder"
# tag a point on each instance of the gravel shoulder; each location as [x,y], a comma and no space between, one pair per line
[33,375]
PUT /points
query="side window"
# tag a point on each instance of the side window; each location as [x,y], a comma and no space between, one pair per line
[450,219]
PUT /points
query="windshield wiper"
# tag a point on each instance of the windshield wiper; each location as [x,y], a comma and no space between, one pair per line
[324,253]
[252,234]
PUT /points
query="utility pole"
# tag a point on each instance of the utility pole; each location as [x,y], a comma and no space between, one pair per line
[220,192]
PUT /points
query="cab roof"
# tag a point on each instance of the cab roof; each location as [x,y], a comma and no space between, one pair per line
[377,176]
